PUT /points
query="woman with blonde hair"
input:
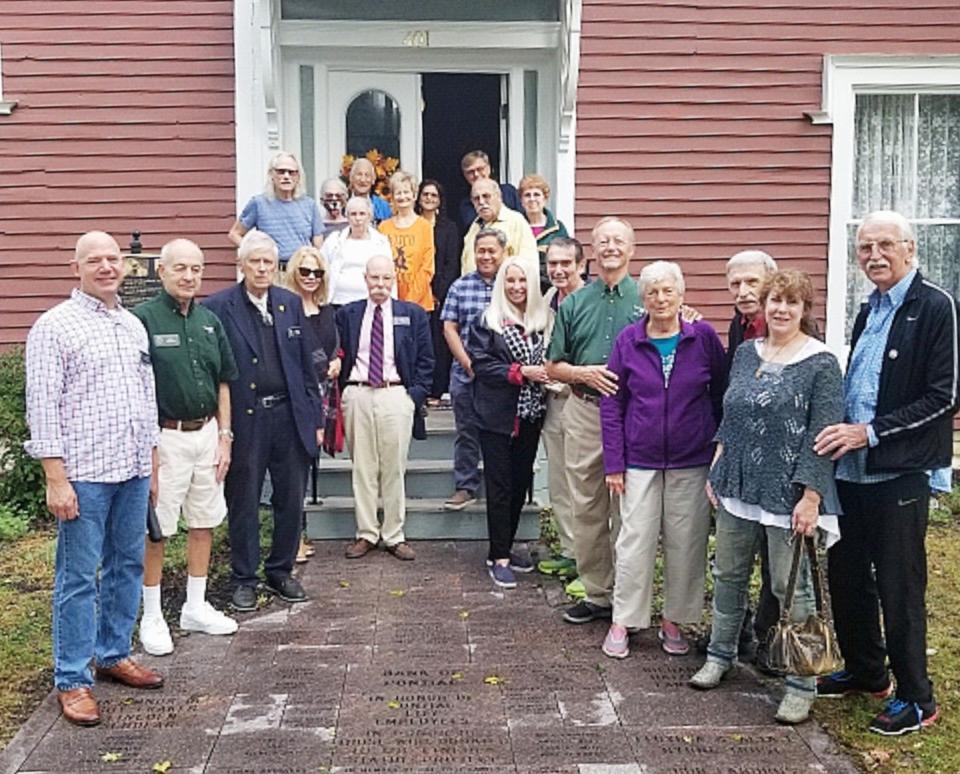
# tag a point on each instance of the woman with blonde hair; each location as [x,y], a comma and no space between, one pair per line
[307,277]
[411,243]
[506,348]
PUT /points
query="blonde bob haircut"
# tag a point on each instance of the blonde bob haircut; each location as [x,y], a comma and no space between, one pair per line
[291,280]
[534,180]
[503,312]
[402,176]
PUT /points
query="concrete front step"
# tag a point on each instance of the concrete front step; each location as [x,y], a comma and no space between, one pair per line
[426,520]
[425,478]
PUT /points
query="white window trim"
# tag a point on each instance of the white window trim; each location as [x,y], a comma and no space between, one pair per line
[843,78]
[6,106]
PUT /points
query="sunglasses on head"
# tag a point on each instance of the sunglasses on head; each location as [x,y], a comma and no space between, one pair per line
[315,273]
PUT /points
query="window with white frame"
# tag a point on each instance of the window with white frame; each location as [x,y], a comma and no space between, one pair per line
[896,144]
[907,158]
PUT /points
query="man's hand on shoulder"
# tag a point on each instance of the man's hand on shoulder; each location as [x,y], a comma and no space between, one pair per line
[837,440]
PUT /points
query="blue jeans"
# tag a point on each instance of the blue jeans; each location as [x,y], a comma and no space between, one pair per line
[108,534]
[466,446]
[737,543]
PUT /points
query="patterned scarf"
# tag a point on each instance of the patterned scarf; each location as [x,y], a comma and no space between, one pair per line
[527,350]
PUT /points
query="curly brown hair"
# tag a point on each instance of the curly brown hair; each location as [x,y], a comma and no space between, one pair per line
[794,285]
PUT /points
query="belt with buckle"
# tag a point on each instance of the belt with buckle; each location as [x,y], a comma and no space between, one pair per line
[186,425]
[589,397]
[269,401]
[374,386]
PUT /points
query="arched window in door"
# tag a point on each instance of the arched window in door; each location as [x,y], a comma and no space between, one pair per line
[373,121]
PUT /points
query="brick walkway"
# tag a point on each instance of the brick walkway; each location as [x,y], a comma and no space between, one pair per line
[422,667]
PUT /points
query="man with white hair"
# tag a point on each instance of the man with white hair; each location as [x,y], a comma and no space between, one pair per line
[900,394]
[275,415]
[92,412]
[283,210]
[493,213]
[362,177]
[746,273]
[386,375]
[193,364]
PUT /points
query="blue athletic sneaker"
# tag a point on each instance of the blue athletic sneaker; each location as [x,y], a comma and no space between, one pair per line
[502,575]
[518,563]
[901,717]
[844,683]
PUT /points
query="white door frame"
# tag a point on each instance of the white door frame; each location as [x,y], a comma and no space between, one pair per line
[268,52]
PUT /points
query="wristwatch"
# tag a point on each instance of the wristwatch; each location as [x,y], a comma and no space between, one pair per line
[226,433]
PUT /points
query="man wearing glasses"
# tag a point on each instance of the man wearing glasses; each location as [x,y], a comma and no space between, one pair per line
[283,210]
[900,393]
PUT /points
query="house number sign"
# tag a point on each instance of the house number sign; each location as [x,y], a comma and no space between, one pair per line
[417,39]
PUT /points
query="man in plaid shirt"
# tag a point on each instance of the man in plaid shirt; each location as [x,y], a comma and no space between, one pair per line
[92,411]
[466,300]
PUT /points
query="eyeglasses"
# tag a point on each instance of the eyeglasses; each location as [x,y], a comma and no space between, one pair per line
[885,246]
[304,272]
[290,172]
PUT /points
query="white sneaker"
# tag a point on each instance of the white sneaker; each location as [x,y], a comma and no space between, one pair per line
[207,619]
[709,676]
[795,708]
[155,636]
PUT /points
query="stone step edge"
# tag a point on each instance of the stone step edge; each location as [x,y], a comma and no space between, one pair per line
[418,504]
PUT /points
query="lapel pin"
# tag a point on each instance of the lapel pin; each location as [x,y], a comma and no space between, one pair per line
[893,355]
[282,308]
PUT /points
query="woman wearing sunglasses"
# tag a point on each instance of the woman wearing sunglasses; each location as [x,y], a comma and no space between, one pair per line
[307,277]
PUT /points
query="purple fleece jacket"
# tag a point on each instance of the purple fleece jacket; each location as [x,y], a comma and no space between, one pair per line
[648,425]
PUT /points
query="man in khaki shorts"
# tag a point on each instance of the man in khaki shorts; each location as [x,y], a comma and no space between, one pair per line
[193,364]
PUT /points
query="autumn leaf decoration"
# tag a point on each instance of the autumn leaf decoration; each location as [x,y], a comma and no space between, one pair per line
[383,166]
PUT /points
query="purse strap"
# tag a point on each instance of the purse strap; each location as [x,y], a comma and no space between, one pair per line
[799,544]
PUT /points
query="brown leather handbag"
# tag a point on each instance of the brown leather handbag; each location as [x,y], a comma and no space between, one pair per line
[807,648]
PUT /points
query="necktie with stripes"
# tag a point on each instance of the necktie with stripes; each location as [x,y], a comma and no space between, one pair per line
[375,375]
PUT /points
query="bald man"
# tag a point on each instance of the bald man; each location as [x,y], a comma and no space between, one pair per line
[193,364]
[92,412]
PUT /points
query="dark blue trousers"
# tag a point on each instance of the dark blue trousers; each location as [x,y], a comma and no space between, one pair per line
[275,446]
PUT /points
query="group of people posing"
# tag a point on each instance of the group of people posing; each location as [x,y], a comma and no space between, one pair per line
[648,423]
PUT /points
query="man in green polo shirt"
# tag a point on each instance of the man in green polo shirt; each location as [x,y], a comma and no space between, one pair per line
[193,363]
[586,326]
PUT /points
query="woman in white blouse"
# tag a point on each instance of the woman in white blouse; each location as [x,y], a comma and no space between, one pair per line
[348,251]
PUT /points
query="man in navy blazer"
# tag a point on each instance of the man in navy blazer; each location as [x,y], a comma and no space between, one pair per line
[386,375]
[275,419]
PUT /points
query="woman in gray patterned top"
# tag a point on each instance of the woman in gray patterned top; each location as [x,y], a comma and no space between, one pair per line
[784,389]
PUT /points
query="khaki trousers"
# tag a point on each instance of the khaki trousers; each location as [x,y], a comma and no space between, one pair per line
[671,505]
[378,425]
[596,513]
[557,481]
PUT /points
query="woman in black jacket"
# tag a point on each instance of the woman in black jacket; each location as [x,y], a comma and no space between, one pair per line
[506,347]
[448,246]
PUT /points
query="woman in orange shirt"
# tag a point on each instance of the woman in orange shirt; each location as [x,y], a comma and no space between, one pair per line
[411,239]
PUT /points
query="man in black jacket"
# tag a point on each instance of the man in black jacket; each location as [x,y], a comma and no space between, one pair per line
[900,394]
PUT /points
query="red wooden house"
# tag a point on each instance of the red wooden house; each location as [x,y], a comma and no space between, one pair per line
[713,125]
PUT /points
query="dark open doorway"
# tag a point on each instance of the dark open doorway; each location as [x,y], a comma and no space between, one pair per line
[461,113]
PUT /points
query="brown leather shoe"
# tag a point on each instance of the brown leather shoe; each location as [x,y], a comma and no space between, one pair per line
[79,706]
[129,672]
[360,547]
[402,551]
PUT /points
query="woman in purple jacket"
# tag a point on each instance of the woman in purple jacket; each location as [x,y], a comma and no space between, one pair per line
[658,432]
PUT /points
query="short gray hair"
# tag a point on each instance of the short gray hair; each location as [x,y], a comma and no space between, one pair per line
[658,271]
[891,217]
[169,251]
[488,231]
[255,241]
[752,258]
[364,200]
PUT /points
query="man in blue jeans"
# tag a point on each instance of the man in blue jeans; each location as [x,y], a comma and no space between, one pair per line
[466,300]
[92,411]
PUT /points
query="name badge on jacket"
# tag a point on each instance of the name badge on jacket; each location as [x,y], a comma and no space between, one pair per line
[294,332]
[401,321]
[166,340]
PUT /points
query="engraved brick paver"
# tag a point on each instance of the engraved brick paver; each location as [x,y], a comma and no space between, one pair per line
[424,667]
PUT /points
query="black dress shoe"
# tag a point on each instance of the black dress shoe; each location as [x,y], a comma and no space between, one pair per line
[244,599]
[288,589]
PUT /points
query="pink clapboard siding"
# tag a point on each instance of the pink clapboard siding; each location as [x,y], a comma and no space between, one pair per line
[690,122]
[125,121]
